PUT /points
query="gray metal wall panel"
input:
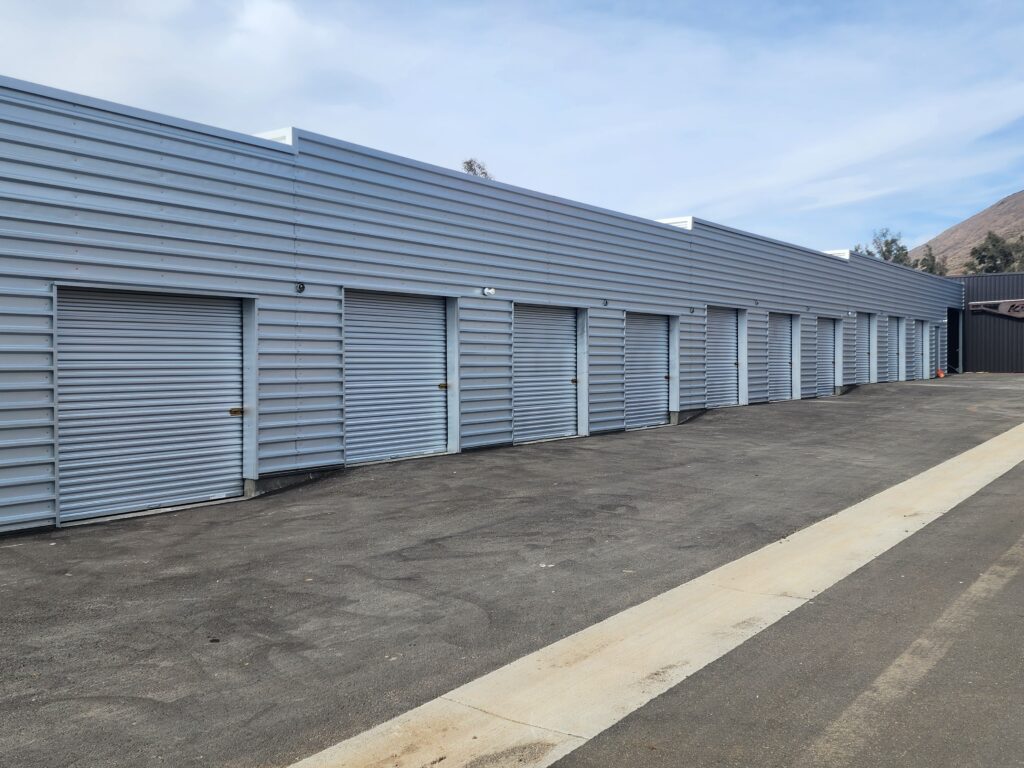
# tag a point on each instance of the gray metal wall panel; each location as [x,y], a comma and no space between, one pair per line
[692,379]
[647,374]
[485,372]
[606,360]
[146,383]
[395,364]
[894,349]
[723,387]
[27,417]
[808,356]
[913,363]
[300,362]
[544,386]
[104,194]
[882,362]
[757,356]
[826,356]
[780,356]
[942,350]
[993,343]
[848,329]
[863,343]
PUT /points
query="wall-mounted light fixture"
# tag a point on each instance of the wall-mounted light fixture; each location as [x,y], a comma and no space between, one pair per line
[489,291]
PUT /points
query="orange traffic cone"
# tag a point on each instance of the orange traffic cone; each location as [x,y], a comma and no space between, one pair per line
[940,373]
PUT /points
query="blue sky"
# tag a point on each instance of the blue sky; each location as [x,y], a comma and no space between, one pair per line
[810,122]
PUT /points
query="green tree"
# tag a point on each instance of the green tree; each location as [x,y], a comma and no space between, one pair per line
[474,167]
[928,263]
[995,254]
[887,246]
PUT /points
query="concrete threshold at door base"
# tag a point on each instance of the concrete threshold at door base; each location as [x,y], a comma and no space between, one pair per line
[542,706]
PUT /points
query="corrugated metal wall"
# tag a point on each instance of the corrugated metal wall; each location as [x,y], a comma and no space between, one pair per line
[692,362]
[808,356]
[607,369]
[757,356]
[485,372]
[993,343]
[96,193]
[882,361]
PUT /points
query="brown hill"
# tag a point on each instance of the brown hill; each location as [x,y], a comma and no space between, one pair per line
[1005,218]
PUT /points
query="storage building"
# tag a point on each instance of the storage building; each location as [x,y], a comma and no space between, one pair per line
[190,314]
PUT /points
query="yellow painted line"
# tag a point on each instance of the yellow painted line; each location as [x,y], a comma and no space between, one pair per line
[546,704]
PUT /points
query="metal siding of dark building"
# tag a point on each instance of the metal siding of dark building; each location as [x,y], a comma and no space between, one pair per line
[992,343]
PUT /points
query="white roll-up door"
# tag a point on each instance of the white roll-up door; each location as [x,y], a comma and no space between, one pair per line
[894,349]
[780,356]
[934,363]
[826,374]
[543,373]
[723,379]
[647,376]
[149,391]
[863,348]
[396,402]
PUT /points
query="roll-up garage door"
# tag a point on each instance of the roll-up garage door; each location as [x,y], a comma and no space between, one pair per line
[894,349]
[543,373]
[146,385]
[647,376]
[934,359]
[863,348]
[780,356]
[395,376]
[826,357]
[723,380]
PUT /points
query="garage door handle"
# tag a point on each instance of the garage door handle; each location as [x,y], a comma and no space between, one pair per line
[668,377]
[235,411]
[443,385]
[573,380]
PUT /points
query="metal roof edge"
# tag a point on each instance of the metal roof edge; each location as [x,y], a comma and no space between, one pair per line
[122,110]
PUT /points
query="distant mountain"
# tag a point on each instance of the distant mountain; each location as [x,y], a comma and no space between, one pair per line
[1005,218]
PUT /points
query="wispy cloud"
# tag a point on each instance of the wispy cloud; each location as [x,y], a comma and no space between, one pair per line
[806,121]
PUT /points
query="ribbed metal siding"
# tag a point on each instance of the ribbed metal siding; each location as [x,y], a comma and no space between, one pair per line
[826,376]
[863,348]
[607,363]
[692,374]
[808,356]
[27,418]
[145,383]
[543,373]
[846,329]
[395,360]
[723,357]
[894,349]
[780,356]
[485,372]
[98,192]
[993,343]
[943,350]
[647,378]
[934,356]
[914,343]
[883,348]
[757,356]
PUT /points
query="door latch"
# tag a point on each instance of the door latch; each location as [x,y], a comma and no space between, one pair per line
[235,411]
[443,385]
[573,380]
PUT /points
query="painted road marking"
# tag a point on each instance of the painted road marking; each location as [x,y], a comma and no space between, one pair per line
[546,704]
[848,734]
